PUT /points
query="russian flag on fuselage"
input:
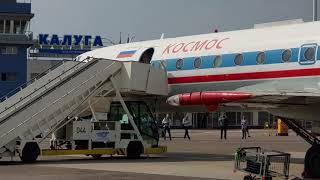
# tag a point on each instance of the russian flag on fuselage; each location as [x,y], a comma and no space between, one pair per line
[126,54]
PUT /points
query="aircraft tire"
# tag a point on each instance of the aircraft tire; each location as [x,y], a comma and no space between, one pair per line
[30,152]
[312,162]
[134,149]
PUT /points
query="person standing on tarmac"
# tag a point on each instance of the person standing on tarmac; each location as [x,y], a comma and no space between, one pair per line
[223,124]
[248,130]
[244,127]
[166,126]
[186,122]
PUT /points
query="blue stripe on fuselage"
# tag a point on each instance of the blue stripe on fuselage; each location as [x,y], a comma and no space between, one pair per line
[249,59]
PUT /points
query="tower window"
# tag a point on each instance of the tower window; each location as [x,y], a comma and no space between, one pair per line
[9,50]
[9,76]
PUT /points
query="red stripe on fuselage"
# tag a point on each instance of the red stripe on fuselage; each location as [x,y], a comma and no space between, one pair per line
[246,76]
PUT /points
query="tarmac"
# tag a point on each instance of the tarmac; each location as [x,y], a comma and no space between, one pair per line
[205,156]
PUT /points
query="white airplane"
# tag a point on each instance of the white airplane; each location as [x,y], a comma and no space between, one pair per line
[274,68]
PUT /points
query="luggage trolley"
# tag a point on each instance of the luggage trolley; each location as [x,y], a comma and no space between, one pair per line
[261,163]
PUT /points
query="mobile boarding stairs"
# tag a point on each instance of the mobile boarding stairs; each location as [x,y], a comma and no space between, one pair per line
[29,116]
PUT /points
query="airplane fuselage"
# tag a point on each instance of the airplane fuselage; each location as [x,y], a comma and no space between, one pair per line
[231,61]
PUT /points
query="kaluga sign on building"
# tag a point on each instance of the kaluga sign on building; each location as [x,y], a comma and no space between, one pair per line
[185,47]
[64,46]
[70,40]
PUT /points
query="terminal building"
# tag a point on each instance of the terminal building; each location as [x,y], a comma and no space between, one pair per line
[201,120]
[15,39]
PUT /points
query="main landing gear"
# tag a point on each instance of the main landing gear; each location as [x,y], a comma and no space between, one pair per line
[312,158]
[312,162]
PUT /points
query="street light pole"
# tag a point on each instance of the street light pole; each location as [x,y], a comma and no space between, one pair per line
[315,8]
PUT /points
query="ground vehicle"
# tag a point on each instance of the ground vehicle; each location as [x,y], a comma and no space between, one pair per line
[65,101]
[262,163]
[110,133]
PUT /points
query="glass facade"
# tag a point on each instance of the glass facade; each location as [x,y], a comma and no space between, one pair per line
[256,119]
[17,26]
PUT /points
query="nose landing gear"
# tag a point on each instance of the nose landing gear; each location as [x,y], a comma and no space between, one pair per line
[312,158]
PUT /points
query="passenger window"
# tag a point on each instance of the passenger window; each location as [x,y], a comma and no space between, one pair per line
[238,59]
[217,61]
[197,63]
[179,64]
[309,54]
[261,58]
[286,55]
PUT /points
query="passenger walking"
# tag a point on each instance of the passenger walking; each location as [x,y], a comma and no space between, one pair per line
[248,130]
[244,127]
[187,123]
[223,123]
[166,126]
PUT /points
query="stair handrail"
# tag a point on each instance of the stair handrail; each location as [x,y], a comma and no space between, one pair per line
[22,98]
[26,84]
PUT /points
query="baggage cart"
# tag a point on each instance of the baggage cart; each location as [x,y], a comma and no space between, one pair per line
[263,164]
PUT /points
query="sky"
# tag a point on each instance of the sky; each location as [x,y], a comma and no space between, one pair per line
[148,19]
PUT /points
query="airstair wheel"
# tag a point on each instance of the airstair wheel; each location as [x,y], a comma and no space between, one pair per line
[30,152]
[134,150]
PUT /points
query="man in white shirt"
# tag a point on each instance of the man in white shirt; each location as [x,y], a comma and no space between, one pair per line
[166,126]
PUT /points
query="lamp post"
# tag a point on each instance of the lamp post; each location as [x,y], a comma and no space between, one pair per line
[315,8]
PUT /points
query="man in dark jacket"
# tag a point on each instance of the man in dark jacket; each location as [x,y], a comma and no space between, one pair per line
[223,123]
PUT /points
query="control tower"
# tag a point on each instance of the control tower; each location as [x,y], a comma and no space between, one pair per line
[15,38]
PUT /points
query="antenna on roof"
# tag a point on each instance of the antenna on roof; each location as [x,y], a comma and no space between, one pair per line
[120,41]
[162,36]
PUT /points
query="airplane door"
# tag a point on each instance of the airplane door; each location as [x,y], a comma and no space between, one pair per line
[308,54]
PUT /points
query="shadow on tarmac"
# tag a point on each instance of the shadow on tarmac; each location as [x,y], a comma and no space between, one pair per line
[168,157]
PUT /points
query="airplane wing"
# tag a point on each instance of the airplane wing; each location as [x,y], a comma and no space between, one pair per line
[284,93]
[267,95]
